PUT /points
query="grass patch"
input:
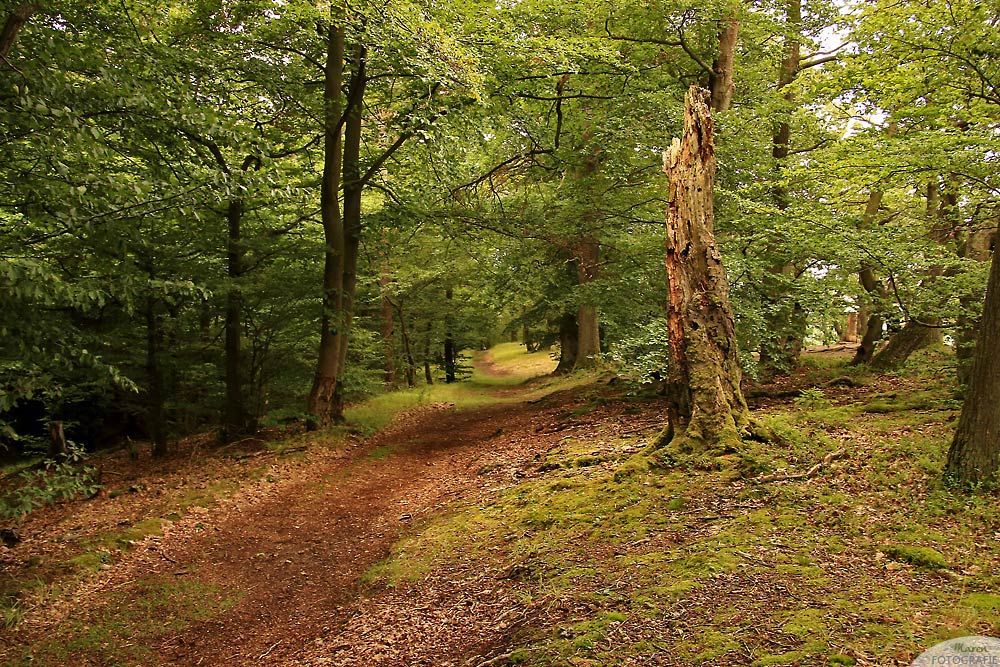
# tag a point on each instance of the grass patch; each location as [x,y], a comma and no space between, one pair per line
[120,629]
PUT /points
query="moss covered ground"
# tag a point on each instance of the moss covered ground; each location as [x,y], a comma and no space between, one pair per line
[614,554]
[626,557]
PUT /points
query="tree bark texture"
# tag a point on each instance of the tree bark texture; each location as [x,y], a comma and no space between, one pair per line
[57,440]
[353,189]
[975,450]
[848,333]
[866,276]
[12,27]
[404,334]
[328,365]
[706,406]
[721,80]
[428,376]
[234,411]
[912,337]
[977,246]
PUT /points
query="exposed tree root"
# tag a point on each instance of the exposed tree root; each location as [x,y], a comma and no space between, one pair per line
[808,474]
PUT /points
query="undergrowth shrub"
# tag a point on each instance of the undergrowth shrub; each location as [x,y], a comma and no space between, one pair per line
[62,479]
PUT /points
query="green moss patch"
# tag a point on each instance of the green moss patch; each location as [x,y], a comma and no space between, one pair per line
[925,557]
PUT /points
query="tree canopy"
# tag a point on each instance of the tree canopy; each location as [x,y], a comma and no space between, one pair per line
[205,206]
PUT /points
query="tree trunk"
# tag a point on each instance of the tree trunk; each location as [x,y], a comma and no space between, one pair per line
[586,257]
[924,330]
[912,337]
[328,365]
[353,189]
[706,407]
[721,80]
[786,319]
[58,449]
[978,245]
[404,333]
[387,325]
[848,333]
[234,412]
[428,376]
[450,353]
[569,337]
[155,398]
[866,276]
[975,450]
[16,20]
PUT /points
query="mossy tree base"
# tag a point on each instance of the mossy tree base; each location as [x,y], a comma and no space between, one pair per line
[707,410]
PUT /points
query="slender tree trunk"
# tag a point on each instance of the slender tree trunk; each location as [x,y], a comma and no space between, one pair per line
[428,376]
[721,81]
[234,412]
[586,257]
[388,325]
[874,323]
[450,353]
[16,20]
[155,397]
[353,189]
[328,365]
[404,333]
[706,410]
[975,451]
[978,246]
[786,319]
[58,449]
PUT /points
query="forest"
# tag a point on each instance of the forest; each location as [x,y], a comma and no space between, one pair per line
[412,332]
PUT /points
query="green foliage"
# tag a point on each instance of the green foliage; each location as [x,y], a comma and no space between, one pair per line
[63,479]
[811,399]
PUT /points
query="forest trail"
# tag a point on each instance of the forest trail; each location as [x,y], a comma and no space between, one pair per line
[296,558]
[291,550]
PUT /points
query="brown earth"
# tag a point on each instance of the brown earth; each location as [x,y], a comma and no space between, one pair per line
[292,546]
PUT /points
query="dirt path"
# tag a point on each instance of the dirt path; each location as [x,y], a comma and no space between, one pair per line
[287,550]
[293,553]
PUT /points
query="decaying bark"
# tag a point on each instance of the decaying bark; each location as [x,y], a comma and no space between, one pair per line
[975,451]
[707,410]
